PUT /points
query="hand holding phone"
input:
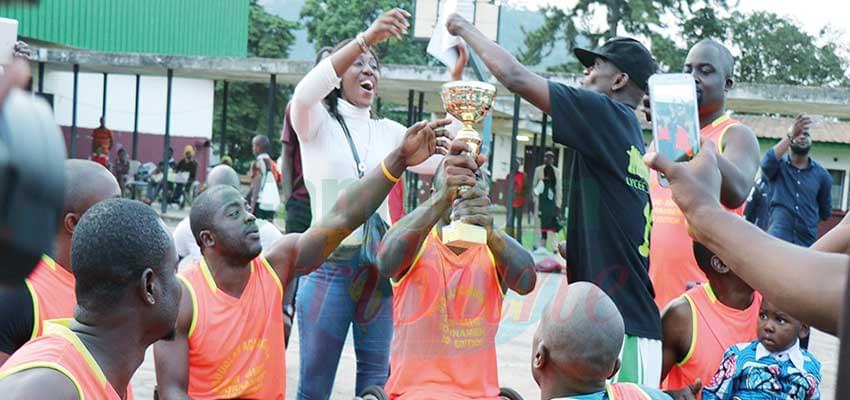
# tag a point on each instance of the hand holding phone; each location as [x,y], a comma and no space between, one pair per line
[675,118]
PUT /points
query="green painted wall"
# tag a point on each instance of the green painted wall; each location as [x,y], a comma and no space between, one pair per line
[173,27]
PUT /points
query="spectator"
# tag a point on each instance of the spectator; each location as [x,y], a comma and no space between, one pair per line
[187,165]
[547,187]
[99,156]
[802,188]
[265,177]
[121,168]
[519,200]
[757,210]
[101,139]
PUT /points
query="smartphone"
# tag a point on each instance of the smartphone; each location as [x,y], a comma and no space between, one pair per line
[8,37]
[675,118]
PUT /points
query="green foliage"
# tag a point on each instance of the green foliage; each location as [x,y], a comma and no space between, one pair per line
[269,36]
[329,22]
[763,38]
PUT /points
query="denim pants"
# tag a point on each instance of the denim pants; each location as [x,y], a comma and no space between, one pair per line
[339,294]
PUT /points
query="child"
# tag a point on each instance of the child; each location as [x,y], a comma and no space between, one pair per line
[772,367]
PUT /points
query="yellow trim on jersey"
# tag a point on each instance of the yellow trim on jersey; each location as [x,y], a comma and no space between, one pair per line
[44,364]
[721,119]
[273,273]
[35,316]
[205,270]
[496,270]
[694,331]
[710,292]
[60,327]
[49,261]
[395,283]
[194,298]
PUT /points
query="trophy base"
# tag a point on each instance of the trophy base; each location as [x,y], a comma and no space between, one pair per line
[463,235]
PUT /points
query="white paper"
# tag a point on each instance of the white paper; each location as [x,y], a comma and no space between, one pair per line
[442,44]
[8,37]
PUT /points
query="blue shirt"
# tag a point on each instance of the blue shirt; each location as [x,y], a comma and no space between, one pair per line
[801,198]
[750,372]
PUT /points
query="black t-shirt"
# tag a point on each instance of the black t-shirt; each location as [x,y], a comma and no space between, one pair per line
[16,317]
[610,211]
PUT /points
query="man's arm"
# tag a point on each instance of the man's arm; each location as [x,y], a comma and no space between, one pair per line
[808,284]
[825,197]
[401,243]
[505,67]
[676,325]
[837,240]
[37,384]
[514,263]
[171,357]
[299,254]
[16,319]
[286,170]
[738,165]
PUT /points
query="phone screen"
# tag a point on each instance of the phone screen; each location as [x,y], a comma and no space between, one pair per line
[8,37]
[675,122]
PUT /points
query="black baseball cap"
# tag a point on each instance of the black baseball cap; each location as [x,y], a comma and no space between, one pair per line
[629,55]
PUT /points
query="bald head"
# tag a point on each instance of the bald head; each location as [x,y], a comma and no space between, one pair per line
[87,183]
[722,56]
[223,175]
[579,338]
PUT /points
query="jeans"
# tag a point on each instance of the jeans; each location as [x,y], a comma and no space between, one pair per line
[339,294]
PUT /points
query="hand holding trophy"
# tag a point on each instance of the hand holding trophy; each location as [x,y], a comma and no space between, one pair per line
[468,101]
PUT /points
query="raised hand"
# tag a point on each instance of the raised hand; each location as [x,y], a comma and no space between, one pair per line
[462,58]
[458,170]
[391,23]
[801,124]
[424,139]
[454,23]
[473,207]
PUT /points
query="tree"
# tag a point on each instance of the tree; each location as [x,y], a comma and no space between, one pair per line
[269,36]
[328,22]
[564,27]
[775,50]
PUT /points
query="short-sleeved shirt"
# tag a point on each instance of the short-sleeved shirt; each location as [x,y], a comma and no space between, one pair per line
[610,212]
[800,199]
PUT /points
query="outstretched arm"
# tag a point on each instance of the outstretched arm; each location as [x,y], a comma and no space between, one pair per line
[513,262]
[808,284]
[505,67]
[403,240]
[295,254]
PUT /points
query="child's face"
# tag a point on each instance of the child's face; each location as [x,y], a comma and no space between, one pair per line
[777,331]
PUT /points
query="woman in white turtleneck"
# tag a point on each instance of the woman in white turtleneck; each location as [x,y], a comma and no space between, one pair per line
[341,293]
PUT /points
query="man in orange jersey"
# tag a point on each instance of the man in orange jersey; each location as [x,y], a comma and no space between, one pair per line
[672,268]
[576,347]
[701,324]
[447,300]
[48,292]
[229,332]
[127,299]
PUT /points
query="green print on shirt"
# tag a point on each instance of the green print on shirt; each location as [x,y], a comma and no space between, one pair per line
[637,168]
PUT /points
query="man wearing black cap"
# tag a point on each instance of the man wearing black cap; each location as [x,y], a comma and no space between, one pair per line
[610,216]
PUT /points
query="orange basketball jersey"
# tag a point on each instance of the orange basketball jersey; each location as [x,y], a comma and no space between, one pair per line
[672,267]
[236,347]
[446,312]
[61,350]
[52,290]
[715,327]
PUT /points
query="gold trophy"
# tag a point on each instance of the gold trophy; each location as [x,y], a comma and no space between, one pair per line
[468,101]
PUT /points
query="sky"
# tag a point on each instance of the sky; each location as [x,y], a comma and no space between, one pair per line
[812,15]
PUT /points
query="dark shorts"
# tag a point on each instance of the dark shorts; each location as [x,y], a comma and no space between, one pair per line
[298,215]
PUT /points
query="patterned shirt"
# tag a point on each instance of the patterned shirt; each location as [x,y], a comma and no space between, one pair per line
[750,372]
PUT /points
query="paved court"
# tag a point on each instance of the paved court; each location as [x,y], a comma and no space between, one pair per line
[520,317]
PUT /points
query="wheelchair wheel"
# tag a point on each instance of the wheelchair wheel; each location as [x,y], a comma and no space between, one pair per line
[374,393]
[510,394]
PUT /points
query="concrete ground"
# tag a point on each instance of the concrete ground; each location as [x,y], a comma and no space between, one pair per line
[520,317]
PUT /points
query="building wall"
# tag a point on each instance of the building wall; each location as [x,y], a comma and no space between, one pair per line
[184,27]
[191,112]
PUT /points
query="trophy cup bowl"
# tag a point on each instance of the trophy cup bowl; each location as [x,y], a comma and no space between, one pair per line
[469,102]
